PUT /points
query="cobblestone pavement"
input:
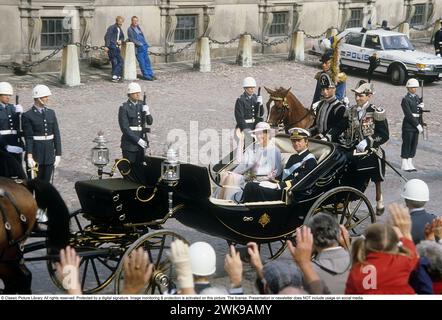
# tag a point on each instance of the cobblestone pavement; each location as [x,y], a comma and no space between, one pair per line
[181,95]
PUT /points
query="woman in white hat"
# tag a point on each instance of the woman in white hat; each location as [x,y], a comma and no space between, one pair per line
[259,162]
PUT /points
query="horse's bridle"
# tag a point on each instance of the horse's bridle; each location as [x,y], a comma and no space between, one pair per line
[7,225]
[285,109]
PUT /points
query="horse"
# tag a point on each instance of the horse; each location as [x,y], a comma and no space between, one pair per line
[287,110]
[18,211]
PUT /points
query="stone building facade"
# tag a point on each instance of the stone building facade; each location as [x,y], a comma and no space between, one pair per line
[33,28]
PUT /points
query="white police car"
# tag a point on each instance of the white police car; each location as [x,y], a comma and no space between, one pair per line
[398,58]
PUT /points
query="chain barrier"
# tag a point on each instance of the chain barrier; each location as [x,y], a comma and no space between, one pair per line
[178,51]
[229,41]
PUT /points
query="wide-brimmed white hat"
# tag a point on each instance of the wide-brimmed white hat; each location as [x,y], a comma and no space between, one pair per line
[262,126]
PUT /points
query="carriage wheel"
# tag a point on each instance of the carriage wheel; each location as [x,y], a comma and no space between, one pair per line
[272,250]
[350,206]
[157,245]
[98,259]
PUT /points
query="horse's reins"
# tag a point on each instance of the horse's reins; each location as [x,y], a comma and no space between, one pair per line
[286,109]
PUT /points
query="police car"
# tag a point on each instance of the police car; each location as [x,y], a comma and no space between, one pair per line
[398,58]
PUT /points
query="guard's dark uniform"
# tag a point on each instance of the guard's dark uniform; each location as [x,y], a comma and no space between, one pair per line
[410,133]
[369,123]
[130,119]
[328,121]
[43,140]
[306,163]
[248,112]
[9,129]
[438,41]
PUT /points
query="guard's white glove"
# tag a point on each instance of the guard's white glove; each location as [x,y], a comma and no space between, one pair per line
[421,105]
[269,185]
[57,161]
[31,162]
[179,255]
[14,149]
[322,137]
[146,109]
[419,128]
[259,99]
[346,101]
[18,108]
[438,55]
[361,146]
[142,143]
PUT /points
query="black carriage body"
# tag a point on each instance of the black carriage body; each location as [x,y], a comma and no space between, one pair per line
[115,201]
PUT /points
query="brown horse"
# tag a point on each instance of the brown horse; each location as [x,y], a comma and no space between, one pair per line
[287,110]
[18,210]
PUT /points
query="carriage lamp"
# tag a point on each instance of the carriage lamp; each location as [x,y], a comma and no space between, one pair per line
[100,154]
[170,168]
[170,174]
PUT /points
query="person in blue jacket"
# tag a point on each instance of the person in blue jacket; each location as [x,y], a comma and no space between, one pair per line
[113,40]
[136,36]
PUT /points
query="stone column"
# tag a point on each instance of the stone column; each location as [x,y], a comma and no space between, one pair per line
[130,61]
[86,17]
[405,28]
[244,56]
[70,69]
[31,30]
[202,55]
[296,51]
[343,14]
[168,26]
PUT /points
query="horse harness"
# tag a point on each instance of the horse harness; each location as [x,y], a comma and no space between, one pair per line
[285,106]
[7,225]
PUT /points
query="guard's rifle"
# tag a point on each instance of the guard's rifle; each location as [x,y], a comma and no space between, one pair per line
[421,114]
[144,128]
[261,107]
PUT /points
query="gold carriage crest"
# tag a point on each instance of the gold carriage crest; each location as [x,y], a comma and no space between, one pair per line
[264,220]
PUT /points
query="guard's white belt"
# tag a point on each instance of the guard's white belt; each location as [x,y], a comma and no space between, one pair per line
[136,128]
[49,137]
[6,132]
[249,120]
[416,115]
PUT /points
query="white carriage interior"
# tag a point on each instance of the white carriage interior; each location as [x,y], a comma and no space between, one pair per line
[320,149]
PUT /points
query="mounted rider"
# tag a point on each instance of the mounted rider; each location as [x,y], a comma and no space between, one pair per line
[330,111]
[367,130]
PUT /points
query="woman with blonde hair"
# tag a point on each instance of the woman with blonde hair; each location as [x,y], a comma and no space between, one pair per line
[384,257]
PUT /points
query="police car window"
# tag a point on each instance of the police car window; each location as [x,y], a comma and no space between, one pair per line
[354,39]
[372,42]
[399,42]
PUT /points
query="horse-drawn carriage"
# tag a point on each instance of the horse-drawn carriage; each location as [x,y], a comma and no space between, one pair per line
[118,215]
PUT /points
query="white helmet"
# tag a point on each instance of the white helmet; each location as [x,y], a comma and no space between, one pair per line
[416,190]
[412,83]
[133,87]
[6,88]
[202,259]
[248,82]
[40,91]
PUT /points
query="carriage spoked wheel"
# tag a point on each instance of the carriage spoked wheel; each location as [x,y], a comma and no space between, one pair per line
[99,256]
[350,207]
[157,246]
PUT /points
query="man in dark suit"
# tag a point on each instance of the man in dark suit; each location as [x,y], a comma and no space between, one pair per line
[297,167]
[438,41]
[411,106]
[112,41]
[132,117]
[42,136]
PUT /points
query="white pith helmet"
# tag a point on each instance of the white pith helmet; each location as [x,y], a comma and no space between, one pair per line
[416,190]
[202,259]
[41,91]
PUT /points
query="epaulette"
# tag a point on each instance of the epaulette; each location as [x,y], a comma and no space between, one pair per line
[342,77]
[379,114]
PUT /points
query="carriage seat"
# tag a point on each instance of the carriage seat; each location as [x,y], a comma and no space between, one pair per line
[319,150]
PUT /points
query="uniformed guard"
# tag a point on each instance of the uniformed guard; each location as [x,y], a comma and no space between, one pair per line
[9,123]
[367,130]
[330,112]
[248,107]
[130,119]
[42,136]
[438,41]
[411,106]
